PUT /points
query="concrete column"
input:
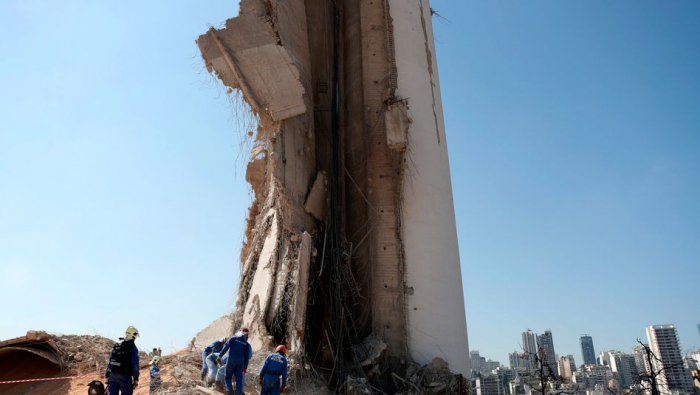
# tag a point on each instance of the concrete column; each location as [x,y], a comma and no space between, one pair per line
[436,322]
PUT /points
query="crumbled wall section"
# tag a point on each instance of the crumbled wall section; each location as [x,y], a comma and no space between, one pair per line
[264,53]
[384,171]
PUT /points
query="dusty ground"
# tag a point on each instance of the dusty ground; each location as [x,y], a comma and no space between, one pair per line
[84,358]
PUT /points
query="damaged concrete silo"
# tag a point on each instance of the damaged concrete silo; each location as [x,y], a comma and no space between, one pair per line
[352,232]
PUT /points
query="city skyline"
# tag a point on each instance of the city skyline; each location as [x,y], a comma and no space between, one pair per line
[505,361]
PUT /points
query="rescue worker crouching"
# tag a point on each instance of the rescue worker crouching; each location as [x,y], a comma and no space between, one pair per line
[216,346]
[122,374]
[275,366]
[156,381]
[239,353]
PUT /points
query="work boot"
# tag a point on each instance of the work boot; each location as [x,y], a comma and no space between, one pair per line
[229,392]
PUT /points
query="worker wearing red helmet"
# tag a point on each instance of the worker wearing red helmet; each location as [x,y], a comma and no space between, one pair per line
[239,353]
[275,366]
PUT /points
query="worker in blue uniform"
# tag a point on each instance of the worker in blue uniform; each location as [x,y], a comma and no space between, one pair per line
[122,372]
[275,366]
[216,346]
[239,353]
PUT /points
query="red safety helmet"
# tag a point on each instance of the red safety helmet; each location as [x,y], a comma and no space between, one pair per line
[281,349]
[244,330]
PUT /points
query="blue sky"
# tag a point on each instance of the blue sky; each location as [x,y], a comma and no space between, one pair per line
[573,130]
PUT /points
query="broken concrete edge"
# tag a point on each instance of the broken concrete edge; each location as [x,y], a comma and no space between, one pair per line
[252,55]
[317,199]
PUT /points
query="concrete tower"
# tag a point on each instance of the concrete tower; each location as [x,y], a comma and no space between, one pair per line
[351,178]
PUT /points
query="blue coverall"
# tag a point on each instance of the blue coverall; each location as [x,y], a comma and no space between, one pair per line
[155,379]
[122,381]
[214,347]
[216,372]
[275,366]
[239,353]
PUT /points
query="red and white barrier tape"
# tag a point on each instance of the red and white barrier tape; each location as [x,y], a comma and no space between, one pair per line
[32,380]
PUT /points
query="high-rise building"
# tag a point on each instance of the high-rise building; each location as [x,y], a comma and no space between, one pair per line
[587,350]
[664,343]
[529,349]
[640,359]
[545,344]
[625,367]
[514,360]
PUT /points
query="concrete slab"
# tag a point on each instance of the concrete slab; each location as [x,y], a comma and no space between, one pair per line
[262,287]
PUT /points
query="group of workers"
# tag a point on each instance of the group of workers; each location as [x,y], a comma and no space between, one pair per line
[227,359]
[223,360]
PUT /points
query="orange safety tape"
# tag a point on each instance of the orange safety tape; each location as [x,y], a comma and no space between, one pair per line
[31,380]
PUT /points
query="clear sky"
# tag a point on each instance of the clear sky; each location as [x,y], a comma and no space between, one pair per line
[573,129]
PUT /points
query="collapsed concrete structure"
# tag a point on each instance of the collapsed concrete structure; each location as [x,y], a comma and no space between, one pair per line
[352,231]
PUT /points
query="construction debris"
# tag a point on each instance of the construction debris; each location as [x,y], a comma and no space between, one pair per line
[357,386]
[82,354]
[367,353]
[433,378]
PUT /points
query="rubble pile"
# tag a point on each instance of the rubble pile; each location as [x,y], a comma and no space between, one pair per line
[83,354]
[180,372]
[433,378]
[357,386]
[368,352]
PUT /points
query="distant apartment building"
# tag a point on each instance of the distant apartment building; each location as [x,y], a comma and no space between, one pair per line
[529,349]
[640,359]
[587,350]
[491,365]
[477,362]
[545,343]
[590,376]
[567,366]
[663,341]
[489,384]
[625,368]
[695,354]
[514,360]
[505,376]
[606,356]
